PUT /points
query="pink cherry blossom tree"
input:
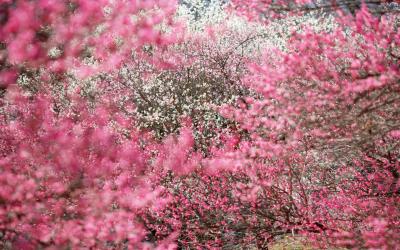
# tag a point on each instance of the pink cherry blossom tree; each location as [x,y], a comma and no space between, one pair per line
[94,36]
[319,156]
[76,177]
[323,133]
[308,145]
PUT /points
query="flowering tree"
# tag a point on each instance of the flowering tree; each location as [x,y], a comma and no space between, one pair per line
[308,144]
[67,35]
[76,177]
[323,133]
[73,180]
[206,73]
[320,155]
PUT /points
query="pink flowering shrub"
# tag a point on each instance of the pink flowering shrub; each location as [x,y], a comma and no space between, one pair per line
[322,135]
[76,176]
[72,179]
[320,156]
[59,35]
[309,143]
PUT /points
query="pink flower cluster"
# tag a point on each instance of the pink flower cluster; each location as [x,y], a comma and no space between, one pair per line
[313,149]
[72,180]
[58,35]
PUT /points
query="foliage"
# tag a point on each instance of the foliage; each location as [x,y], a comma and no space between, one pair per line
[141,124]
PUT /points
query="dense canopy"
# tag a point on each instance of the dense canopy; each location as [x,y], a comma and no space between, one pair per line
[199,124]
